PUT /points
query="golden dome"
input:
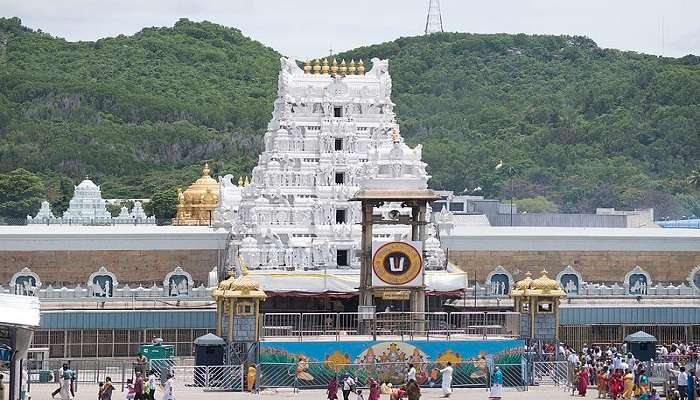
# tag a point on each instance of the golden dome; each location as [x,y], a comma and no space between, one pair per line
[239,287]
[545,284]
[525,283]
[195,205]
[360,67]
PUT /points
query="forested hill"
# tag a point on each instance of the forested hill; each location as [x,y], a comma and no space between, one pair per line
[578,127]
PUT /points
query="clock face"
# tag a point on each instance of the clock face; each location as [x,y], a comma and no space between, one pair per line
[397,263]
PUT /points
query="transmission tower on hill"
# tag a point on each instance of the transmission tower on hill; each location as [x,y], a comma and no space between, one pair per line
[434,21]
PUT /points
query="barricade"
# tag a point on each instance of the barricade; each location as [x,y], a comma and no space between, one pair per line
[316,375]
[552,373]
[208,378]
[407,325]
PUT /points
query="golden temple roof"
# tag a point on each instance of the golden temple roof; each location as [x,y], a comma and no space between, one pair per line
[195,205]
[239,287]
[323,67]
[543,286]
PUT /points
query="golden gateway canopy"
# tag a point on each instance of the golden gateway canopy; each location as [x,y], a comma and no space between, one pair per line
[196,204]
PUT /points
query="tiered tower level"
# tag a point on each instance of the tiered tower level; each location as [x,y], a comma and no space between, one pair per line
[333,126]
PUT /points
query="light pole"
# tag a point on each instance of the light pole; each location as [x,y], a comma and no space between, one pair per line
[511,171]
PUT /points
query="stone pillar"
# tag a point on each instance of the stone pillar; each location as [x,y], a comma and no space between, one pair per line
[417,301]
[219,313]
[231,305]
[366,296]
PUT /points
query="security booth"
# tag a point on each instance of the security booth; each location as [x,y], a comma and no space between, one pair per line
[642,345]
[19,317]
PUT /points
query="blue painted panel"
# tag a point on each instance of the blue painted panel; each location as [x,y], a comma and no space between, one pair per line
[131,319]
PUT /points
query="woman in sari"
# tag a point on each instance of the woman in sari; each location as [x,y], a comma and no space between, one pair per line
[582,381]
[332,389]
[374,390]
[643,386]
[629,385]
[615,384]
[603,382]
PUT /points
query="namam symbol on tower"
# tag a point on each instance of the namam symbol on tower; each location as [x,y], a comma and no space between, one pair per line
[434,21]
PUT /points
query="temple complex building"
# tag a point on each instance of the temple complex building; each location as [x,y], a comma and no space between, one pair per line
[196,204]
[87,207]
[295,227]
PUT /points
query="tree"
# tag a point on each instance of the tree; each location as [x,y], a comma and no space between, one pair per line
[21,193]
[694,179]
[163,204]
[539,204]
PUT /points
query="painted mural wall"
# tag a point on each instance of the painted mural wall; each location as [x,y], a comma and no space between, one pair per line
[312,364]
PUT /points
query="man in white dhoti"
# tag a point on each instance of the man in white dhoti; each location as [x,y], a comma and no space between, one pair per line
[496,385]
[447,380]
[65,391]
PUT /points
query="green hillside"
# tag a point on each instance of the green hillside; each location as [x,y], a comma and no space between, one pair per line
[581,127]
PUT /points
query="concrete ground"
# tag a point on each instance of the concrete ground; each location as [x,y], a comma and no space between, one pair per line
[89,392]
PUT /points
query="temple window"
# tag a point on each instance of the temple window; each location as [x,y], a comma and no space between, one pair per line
[342,257]
[339,216]
[337,112]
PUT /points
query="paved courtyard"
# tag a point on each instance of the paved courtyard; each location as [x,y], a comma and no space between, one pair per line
[89,392]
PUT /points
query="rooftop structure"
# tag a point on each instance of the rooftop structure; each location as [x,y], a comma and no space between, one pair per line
[500,214]
[196,205]
[87,207]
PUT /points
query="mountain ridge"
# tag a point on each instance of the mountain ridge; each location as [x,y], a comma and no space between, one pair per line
[581,126]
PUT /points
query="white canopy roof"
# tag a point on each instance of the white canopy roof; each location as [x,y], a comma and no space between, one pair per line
[19,311]
[344,282]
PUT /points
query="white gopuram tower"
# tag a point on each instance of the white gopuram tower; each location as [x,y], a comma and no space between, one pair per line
[330,121]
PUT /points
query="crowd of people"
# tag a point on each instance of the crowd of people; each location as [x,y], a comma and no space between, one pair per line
[410,390]
[617,374]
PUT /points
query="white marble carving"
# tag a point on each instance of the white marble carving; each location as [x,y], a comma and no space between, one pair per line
[102,283]
[178,283]
[570,280]
[637,282]
[499,281]
[25,282]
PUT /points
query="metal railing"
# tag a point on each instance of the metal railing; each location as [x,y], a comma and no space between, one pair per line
[404,324]
[208,377]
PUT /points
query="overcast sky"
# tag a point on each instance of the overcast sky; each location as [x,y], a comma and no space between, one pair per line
[306,29]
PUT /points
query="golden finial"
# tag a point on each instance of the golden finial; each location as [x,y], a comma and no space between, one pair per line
[307,67]
[394,136]
[324,68]
[343,69]
[246,182]
[317,67]
[360,67]
[351,68]
[544,272]
[240,181]
[334,67]
[206,171]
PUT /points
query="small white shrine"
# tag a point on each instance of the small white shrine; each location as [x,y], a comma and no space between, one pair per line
[333,129]
[87,207]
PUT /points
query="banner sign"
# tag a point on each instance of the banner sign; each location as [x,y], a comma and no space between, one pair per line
[397,264]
